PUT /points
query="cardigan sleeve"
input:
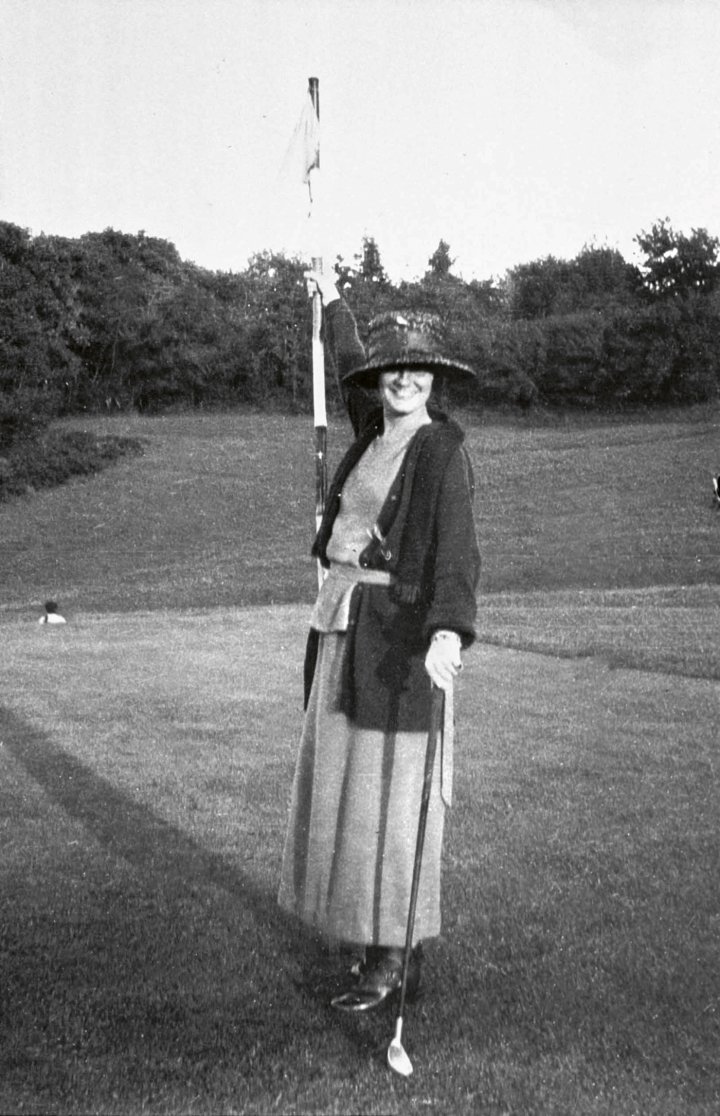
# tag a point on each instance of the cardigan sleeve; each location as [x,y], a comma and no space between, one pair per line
[347,351]
[457,555]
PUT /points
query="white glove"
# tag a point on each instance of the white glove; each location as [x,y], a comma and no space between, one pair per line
[442,661]
[316,281]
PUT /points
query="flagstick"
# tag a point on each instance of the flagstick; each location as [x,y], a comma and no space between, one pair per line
[318,372]
[319,412]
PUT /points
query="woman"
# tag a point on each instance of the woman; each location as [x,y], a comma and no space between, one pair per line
[396,608]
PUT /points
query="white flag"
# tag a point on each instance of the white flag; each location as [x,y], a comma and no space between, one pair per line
[303,153]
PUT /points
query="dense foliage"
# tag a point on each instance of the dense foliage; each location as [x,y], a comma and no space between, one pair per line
[114,320]
[56,456]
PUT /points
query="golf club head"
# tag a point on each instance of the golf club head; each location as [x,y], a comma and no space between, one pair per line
[396,1055]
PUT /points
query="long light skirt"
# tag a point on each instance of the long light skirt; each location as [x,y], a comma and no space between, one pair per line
[348,861]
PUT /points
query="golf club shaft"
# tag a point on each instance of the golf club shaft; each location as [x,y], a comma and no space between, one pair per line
[437,706]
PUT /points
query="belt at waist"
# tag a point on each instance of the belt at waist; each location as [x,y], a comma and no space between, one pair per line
[358,573]
[332,607]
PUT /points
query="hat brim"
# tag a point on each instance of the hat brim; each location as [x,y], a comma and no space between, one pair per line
[367,375]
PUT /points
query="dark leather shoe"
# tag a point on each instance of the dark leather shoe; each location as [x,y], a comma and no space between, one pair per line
[379,977]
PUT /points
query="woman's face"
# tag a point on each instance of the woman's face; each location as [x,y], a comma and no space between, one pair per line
[404,390]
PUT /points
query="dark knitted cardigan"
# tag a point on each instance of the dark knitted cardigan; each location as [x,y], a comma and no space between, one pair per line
[425,537]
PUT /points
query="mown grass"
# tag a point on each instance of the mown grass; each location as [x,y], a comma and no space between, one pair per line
[146,766]
[672,629]
[146,762]
[219,511]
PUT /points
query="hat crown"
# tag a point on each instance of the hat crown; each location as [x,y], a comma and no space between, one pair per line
[405,336]
[406,339]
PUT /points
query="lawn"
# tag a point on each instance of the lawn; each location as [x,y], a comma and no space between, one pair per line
[219,511]
[147,753]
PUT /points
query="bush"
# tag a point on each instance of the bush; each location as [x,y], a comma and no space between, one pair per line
[572,347]
[57,456]
[667,354]
[506,356]
[119,320]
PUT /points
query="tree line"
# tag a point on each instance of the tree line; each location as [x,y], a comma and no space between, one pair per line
[112,320]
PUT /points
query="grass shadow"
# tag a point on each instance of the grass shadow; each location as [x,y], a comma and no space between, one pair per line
[124,826]
[169,966]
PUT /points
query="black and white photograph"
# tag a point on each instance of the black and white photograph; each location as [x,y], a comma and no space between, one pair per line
[359,557]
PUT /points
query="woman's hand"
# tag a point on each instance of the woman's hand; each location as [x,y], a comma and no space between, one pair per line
[442,661]
[316,281]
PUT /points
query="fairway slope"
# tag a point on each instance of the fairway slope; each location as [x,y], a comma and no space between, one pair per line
[146,764]
[147,750]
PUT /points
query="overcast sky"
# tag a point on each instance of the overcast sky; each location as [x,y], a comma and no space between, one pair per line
[513,129]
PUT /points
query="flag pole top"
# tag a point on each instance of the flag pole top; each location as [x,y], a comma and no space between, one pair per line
[314,91]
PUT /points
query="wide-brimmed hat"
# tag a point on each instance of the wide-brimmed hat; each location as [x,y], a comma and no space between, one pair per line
[406,339]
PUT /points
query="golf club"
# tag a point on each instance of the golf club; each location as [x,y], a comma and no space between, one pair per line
[398,1059]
